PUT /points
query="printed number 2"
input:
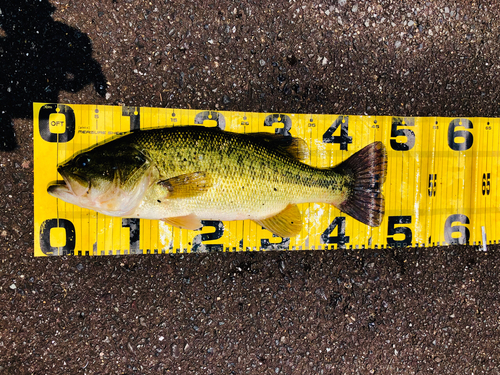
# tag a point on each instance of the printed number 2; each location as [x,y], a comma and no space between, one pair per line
[409,134]
[198,240]
[392,231]
[343,139]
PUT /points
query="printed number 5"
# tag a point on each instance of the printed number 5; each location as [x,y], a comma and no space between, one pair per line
[409,134]
[392,231]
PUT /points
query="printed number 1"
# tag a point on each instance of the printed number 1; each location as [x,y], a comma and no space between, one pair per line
[135,117]
[135,230]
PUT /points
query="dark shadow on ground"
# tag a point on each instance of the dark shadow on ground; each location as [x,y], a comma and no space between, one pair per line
[38,58]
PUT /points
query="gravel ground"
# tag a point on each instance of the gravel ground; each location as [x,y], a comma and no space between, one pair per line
[408,311]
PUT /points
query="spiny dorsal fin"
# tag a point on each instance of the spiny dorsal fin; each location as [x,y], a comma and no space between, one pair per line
[295,148]
[187,185]
[288,223]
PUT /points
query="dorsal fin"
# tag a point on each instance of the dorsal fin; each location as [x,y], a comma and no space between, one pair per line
[295,148]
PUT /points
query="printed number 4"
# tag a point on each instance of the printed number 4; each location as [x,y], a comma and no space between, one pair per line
[340,239]
[343,139]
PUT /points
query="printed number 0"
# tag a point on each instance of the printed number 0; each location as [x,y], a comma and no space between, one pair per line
[54,116]
[45,237]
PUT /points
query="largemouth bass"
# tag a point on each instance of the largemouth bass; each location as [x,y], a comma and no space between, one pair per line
[183,175]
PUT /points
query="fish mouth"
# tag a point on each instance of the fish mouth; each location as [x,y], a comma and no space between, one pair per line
[72,185]
[58,188]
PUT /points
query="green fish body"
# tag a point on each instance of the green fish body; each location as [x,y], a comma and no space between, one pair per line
[183,175]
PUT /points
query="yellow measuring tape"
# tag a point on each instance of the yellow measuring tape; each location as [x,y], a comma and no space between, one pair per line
[440,188]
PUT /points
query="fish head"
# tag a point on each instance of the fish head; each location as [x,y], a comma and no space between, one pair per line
[110,178]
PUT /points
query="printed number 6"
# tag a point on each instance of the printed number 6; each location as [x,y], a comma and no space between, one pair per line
[449,229]
[465,134]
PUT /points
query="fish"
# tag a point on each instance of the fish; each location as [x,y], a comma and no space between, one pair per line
[186,174]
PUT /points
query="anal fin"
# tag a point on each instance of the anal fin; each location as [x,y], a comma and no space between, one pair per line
[191,222]
[288,223]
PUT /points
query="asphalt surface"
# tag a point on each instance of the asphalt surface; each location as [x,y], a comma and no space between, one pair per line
[405,311]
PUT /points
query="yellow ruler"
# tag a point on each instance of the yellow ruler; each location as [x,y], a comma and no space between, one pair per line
[441,186]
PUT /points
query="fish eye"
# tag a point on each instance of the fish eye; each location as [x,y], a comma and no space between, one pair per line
[83,161]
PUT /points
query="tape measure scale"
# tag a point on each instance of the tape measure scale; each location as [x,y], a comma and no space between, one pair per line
[440,186]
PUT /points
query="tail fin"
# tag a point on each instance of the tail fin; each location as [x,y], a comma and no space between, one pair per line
[368,169]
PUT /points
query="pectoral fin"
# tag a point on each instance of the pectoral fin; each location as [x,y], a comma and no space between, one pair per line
[288,223]
[186,185]
[190,222]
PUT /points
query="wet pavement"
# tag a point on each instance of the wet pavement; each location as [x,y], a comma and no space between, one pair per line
[408,311]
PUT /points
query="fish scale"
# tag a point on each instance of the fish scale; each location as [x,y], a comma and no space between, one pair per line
[233,163]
